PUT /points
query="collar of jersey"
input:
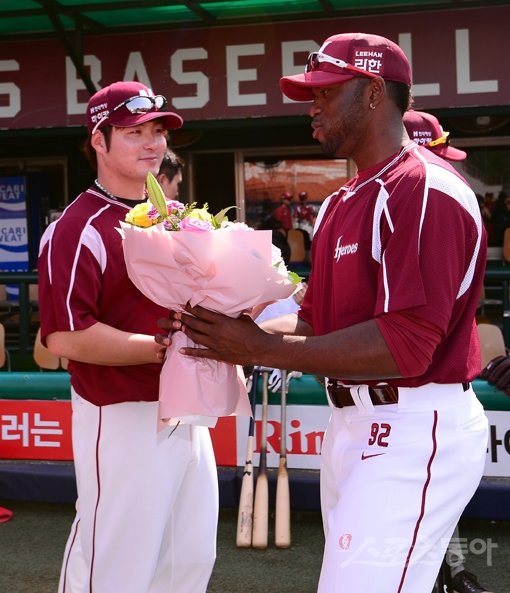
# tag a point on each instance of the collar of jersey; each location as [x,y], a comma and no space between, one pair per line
[117,201]
[351,190]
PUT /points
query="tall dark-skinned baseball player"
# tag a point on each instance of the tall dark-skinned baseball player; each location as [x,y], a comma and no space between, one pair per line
[389,318]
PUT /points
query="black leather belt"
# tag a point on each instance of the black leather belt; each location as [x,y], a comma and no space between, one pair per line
[382,395]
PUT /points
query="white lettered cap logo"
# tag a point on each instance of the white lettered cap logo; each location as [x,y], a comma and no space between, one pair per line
[369,59]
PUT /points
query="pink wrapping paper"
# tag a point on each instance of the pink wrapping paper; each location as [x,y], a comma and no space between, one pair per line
[224,270]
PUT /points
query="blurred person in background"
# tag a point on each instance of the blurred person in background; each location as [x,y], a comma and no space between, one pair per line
[283,213]
[170,175]
[425,129]
[305,216]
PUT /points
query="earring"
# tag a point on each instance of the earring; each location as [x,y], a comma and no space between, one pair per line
[372,106]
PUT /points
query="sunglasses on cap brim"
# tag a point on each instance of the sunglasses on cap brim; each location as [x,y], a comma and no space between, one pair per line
[316,58]
[136,105]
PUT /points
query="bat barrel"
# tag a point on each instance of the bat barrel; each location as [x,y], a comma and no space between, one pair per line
[246,503]
[261,504]
[282,507]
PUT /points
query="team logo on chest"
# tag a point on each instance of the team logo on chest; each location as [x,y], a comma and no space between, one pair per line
[341,250]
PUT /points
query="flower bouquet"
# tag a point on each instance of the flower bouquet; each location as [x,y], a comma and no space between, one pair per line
[177,253]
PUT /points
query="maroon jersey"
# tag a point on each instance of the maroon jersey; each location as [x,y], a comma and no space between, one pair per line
[82,281]
[304,213]
[283,216]
[403,236]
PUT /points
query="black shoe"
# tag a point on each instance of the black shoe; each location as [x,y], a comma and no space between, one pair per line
[466,582]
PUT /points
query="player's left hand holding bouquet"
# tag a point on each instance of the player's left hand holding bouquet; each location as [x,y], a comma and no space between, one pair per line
[177,254]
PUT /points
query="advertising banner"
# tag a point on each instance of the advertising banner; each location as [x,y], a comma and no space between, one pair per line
[35,430]
[13,228]
[233,72]
[41,430]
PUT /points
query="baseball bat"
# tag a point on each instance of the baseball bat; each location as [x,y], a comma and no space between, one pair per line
[282,507]
[245,516]
[261,504]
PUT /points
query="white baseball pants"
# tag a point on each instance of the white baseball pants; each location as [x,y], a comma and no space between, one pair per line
[394,482]
[147,507]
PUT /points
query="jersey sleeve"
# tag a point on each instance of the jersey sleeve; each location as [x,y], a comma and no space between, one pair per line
[411,340]
[429,247]
[69,276]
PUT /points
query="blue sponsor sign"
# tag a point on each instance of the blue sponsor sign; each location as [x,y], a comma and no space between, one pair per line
[13,228]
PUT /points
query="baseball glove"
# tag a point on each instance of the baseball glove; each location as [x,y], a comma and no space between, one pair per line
[497,373]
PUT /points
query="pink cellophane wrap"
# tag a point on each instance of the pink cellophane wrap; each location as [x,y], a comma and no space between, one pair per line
[225,270]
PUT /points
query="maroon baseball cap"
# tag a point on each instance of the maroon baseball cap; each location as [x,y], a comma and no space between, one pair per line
[128,103]
[426,130]
[342,57]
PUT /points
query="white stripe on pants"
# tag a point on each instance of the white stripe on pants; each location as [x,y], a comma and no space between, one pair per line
[394,482]
[147,507]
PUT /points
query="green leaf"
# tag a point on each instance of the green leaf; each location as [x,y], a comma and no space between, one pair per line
[295,278]
[221,216]
[156,195]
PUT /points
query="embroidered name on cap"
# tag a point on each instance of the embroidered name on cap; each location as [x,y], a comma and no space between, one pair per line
[422,137]
[371,60]
[98,112]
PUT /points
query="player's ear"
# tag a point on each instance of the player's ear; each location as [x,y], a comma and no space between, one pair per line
[376,91]
[98,142]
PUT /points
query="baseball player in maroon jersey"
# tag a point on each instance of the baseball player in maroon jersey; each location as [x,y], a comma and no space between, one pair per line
[283,214]
[147,502]
[389,317]
[305,216]
[425,129]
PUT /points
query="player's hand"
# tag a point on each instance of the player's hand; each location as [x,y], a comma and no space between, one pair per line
[169,324]
[497,373]
[223,338]
[162,343]
[299,295]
